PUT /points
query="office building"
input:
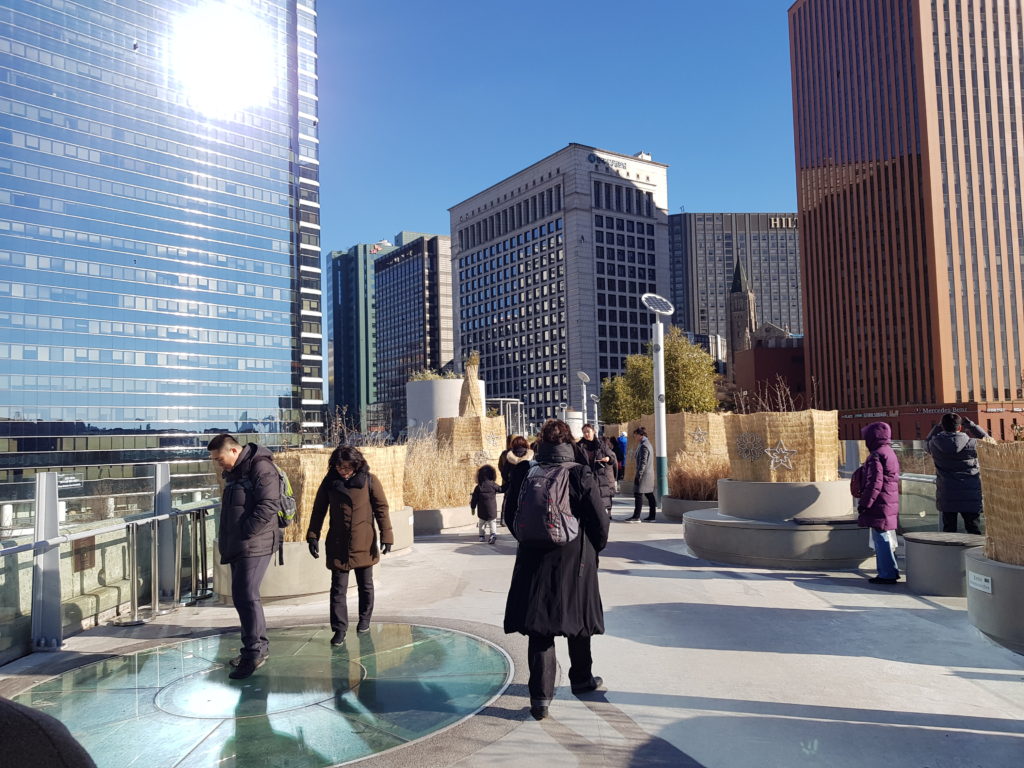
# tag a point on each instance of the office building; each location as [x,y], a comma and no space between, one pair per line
[906,119]
[551,263]
[352,332]
[705,249]
[159,230]
[413,295]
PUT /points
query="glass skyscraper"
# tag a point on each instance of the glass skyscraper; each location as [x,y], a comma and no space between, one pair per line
[159,229]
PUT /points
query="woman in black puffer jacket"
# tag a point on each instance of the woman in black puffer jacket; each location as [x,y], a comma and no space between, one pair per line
[592,452]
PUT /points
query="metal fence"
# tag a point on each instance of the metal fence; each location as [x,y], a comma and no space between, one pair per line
[153,558]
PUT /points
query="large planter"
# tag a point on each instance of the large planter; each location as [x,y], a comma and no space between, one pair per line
[429,522]
[994,592]
[779,525]
[432,399]
[300,576]
[674,509]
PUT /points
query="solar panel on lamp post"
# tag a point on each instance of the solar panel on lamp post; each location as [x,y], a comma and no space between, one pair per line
[659,306]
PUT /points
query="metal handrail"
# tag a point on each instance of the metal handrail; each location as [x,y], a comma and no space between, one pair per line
[47,544]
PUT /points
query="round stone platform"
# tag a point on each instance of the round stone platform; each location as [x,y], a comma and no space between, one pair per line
[815,545]
[310,705]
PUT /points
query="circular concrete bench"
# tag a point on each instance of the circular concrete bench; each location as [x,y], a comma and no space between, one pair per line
[935,562]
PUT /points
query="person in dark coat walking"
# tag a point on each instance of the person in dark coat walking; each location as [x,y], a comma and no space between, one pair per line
[644,480]
[592,452]
[484,502]
[355,498]
[879,503]
[953,445]
[518,451]
[554,590]
[621,445]
[247,538]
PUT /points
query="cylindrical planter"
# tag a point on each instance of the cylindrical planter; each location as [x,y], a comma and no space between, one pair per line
[777,502]
[674,509]
[300,576]
[994,592]
[428,522]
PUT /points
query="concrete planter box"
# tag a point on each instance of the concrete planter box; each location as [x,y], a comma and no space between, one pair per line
[674,509]
[994,592]
[777,502]
[429,522]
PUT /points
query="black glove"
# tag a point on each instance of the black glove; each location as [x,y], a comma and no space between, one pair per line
[385,548]
[314,548]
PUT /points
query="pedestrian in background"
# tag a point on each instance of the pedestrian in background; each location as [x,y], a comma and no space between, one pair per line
[554,589]
[621,445]
[644,479]
[247,537]
[879,503]
[953,445]
[592,452]
[484,502]
[355,499]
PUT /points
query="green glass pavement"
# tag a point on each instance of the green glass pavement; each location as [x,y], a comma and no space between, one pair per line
[309,706]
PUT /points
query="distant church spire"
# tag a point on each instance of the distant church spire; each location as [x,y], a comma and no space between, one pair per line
[742,313]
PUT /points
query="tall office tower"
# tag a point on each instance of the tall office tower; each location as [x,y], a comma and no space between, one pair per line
[413,294]
[352,331]
[906,118]
[705,249]
[551,265]
[159,238]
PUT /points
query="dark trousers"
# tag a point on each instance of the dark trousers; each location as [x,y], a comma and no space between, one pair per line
[246,575]
[339,604]
[540,655]
[652,501]
[970,522]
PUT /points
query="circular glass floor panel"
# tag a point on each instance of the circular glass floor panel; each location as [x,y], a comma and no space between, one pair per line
[309,706]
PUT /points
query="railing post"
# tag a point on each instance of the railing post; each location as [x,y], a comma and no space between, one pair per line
[133,618]
[162,506]
[47,613]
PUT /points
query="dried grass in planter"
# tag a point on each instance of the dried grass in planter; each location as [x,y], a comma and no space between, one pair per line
[435,477]
[1002,485]
[695,476]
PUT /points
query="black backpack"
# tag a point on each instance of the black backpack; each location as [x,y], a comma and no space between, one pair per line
[544,517]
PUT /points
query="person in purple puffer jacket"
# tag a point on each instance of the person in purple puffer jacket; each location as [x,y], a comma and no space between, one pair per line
[879,504]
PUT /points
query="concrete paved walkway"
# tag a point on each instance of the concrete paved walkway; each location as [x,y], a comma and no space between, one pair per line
[704,665]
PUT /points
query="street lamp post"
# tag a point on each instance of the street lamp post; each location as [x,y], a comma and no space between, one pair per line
[562,407]
[584,380]
[597,419]
[659,306]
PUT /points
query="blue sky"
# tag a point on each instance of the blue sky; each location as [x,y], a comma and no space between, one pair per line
[423,104]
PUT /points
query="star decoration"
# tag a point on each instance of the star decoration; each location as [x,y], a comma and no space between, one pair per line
[699,436]
[750,446]
[780,456]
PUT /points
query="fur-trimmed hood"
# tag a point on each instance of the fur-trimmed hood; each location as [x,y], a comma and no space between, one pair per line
[512,459]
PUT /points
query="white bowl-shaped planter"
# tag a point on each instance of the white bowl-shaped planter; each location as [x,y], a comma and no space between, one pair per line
[994,592]
[674,509]
[428,522]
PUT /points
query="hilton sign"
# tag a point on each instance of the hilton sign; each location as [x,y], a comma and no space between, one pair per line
[782,222]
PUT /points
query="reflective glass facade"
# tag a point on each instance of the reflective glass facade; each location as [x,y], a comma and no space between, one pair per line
[159,257]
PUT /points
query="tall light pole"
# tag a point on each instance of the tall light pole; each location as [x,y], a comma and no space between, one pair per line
[562,407]
[584,380]
[597,418]
[659,306]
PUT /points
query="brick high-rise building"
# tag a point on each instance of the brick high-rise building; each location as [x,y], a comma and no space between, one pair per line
[906,118]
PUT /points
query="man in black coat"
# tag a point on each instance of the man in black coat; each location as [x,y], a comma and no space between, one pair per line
[554,589]
[953,445]
[248,536]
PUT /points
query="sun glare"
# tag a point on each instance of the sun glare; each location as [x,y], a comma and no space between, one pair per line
[224,58]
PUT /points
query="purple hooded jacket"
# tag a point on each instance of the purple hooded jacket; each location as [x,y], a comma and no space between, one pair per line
[879,504]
